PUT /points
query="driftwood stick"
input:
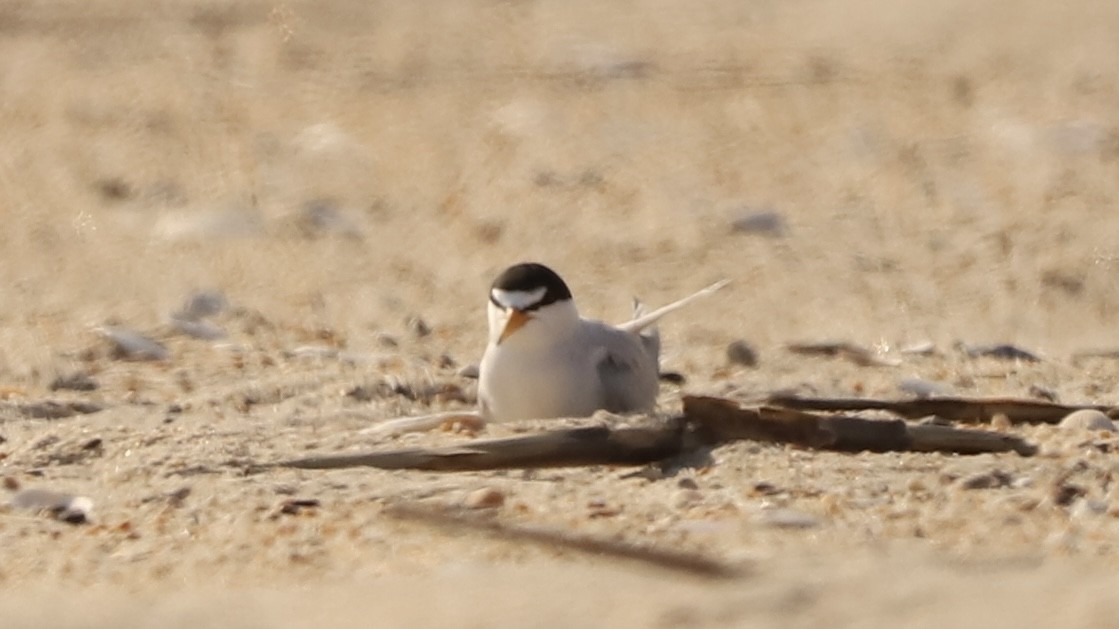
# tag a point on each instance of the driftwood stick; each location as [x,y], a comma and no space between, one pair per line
[719,420]
[580,446]
[932,438]
[707,421]
[659,557]
[967,410]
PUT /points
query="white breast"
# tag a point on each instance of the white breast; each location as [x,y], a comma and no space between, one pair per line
[537,383]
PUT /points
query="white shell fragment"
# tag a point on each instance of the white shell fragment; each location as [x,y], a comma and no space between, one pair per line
[62,506]
[921,388]
[1087,419]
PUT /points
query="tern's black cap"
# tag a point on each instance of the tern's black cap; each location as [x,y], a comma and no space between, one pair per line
[530,276]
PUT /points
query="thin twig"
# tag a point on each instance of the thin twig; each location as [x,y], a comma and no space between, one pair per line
[969,410]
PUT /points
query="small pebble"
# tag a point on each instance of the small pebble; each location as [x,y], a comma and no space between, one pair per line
[741,353]
[987,480]
[469,371]
[201,305]
[1042,393]
[1087,419]
[418,327]
[763,488]
[672,377]
[320,217]
[1088,508]
[77,381]
[1065,493]
[485,498]
[132,345]
[1001,351]
[687,483]
[762,222]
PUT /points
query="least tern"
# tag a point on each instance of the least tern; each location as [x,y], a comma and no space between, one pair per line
[544,360]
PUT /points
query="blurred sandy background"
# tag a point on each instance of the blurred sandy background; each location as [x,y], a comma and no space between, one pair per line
[932,172]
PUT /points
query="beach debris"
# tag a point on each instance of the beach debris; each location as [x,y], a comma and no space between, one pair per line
[294,506]
[1001,351]
[1065,493]
[920,348]
[61,506]
[597,445]
[960,409]
[707,422]
[53,409]
[174,499]
[992,479]
[76,381]
[921,388]
[672,377]
[848,351]
[387,341]
[741,353]
[471,420]
[456,520]
[69,452]
[484,498]
[209,225]
[716,420]
[314,352]
[1042,393]
[765,222]
[1087,419]
[469,371]
[131,345]
[417,326]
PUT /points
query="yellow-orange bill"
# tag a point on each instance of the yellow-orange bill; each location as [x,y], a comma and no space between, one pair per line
[517,320]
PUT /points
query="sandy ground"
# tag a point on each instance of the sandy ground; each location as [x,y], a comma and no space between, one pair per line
[343,170]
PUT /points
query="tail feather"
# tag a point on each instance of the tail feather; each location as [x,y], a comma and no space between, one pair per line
[650,336]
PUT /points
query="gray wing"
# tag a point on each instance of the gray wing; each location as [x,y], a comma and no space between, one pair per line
[626,366]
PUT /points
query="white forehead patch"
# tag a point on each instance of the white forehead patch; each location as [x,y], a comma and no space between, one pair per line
[518,299]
